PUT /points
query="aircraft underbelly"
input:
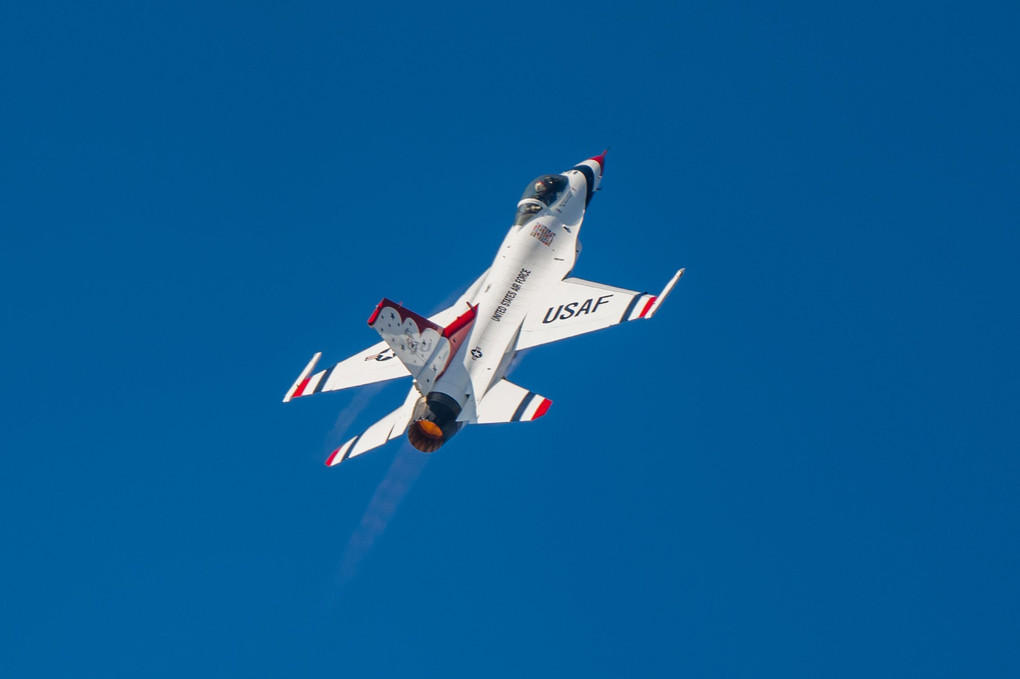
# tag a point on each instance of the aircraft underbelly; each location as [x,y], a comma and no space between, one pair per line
[519,276]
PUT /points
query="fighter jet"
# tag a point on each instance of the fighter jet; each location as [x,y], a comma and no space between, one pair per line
[459,357]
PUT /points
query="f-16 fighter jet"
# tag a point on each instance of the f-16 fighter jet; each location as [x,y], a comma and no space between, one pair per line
[459,357]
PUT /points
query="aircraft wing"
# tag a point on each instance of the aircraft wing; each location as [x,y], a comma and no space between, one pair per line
[575,307]
[377,363]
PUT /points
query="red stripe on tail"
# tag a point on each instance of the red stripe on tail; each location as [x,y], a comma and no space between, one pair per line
[461,322]
[375,314]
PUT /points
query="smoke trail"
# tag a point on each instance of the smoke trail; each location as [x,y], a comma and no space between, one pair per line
[403,472]
[358,403]
[406,467]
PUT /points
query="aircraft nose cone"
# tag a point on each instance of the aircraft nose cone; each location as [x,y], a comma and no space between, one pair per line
[601,160]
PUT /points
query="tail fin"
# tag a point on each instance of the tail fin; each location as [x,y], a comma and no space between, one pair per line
[423,347]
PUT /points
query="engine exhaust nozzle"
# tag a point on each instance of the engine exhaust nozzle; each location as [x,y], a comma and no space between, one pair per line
[433,422]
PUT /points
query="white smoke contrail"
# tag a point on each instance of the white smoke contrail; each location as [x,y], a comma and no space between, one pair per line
[406,467]
[358,403]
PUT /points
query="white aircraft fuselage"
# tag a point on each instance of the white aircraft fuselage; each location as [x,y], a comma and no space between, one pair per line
[460,356]
[539,250]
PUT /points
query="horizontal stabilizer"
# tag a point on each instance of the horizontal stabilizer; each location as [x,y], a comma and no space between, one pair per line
[386,429]
[508,402]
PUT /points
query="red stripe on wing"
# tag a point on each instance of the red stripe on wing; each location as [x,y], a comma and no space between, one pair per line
[301,387]
[648,305]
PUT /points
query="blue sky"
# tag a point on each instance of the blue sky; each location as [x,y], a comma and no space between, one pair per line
[805,465]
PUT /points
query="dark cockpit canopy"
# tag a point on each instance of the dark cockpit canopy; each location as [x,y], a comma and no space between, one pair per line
[541,192]
[547,188]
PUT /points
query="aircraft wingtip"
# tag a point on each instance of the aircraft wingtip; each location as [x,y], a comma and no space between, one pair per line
[332,460]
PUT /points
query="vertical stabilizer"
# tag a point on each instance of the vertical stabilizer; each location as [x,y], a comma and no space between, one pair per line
[423,347]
